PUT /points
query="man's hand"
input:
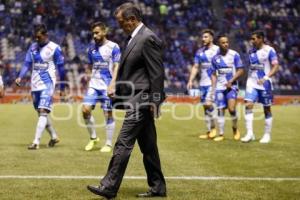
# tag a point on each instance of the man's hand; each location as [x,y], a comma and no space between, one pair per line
[1,91]
[18,82]
[111,90]
[189,85]
[261,81]
[228,85]
[155,111]
[62,95]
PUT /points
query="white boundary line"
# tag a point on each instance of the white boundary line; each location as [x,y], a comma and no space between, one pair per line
[199,178]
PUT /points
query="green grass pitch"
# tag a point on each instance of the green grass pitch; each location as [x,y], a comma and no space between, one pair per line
[182,155]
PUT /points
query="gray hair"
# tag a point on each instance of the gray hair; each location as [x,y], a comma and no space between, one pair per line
[128,10]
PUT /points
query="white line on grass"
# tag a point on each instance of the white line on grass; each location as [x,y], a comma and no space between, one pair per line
[204,178]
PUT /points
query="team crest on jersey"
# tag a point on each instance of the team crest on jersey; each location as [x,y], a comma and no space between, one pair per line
[107,51]
[94,51]
[264,57]
[48,47]
[218,60]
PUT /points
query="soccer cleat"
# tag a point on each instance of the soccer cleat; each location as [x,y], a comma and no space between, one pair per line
[106,149]
[248,137]
[212,133]
[92,144]
[204,136]
[209,135]
[236,135]
[33,146]
[219,138]
[52,142]
[265,139]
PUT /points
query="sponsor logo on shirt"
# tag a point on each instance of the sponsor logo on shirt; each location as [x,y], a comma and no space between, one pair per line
[40,66]
[100,65]
[225,70]
[256,66]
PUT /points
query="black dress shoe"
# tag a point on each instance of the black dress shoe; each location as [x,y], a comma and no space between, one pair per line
[151,194]
[101,191]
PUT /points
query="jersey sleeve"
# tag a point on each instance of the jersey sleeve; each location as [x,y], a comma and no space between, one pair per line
[28,57]
[58,57]
[214,66]
[90,57]
[238,61]
[273,59]
[27,64]
[116,54]
[197,59]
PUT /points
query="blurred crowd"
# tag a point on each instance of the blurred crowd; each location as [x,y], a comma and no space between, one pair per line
[281,22]
[177,22]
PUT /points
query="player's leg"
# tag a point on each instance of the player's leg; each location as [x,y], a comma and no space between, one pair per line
[221,124]
[207,100]
[89,103]
[110,129]
[266,99]
[250,97]
[221,103]
[207,122]
[40,127]
[232,101]
[54,138]
[42,101]
[106,105]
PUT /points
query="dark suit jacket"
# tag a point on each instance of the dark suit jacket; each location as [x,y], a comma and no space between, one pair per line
[140,79]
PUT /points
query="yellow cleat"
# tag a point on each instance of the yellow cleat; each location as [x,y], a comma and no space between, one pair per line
[92,144]
[219,138]
[236,135]
[204,136]
[106,149]
[212,133]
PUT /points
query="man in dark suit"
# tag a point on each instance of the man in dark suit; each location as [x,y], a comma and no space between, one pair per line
[139,90]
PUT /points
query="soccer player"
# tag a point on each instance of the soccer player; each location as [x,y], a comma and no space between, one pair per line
[43,57]
[103,58]
[263,65]
[227,69]
[202,62]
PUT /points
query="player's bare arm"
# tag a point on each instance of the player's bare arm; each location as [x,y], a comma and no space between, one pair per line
[194,72]
[274,70]
[237,75]
[112,86]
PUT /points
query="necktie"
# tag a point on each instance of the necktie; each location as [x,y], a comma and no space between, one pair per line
[128,39]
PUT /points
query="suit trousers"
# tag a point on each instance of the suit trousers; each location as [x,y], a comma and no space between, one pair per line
[138,125]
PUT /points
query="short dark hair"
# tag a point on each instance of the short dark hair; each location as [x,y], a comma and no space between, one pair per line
[99,24]
[40,28]
[221,35]
[128,10]
[259,34]
[209,31]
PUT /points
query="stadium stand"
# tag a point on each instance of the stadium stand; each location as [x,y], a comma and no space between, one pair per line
[280,20]
[178,22]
